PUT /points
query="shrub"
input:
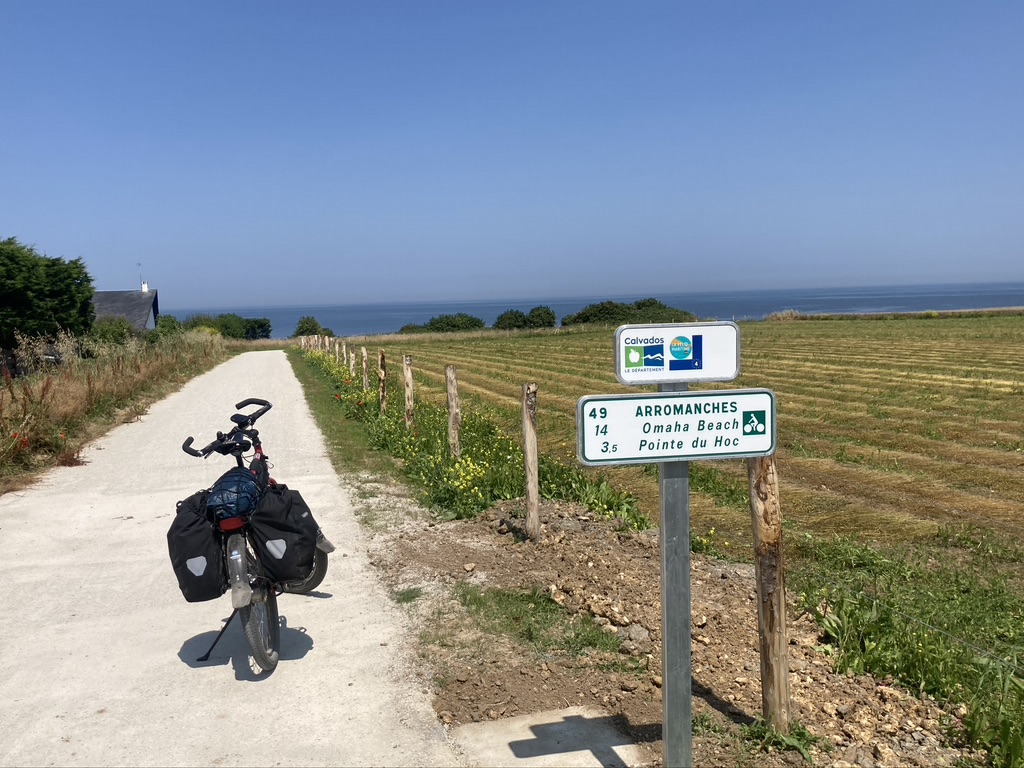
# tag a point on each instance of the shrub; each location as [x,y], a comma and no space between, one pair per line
[511,319]
[541,317]
[639,312]
[111,330]
[446,324]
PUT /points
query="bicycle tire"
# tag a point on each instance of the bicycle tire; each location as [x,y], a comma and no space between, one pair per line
[315,578]
[262,626]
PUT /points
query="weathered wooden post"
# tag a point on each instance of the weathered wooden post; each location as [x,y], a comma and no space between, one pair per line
[344,352]
[407,366]
[366,373]
[766,513]
[382,387]
[454,410]
[530,455]
[352,364]
[337,352]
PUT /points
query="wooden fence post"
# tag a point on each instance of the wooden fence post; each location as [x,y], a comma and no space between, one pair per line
[352,364]
[344,352]
[407,366]
[530,456]
[366,373]
[382,387]
[454,410]
[336,352]
[766,513]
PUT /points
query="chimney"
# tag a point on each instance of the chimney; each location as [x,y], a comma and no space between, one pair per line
[145,287]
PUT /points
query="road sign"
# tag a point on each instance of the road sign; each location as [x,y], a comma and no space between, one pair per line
[675,426]
[683,352]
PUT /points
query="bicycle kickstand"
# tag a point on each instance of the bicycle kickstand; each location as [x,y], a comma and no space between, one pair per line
[220,634]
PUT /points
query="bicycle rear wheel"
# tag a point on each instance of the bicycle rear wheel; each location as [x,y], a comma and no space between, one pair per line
[262,628]
[260,620]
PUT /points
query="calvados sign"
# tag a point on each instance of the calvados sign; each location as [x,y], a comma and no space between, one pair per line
[682,352]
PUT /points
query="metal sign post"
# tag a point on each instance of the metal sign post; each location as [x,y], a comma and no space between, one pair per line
[672,428]
[676,642]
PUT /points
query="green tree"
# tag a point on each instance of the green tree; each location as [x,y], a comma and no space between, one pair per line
[168,324]
[308,326]
[511,319]
[460,321]
[40,296]
[230,325]
[616,313]
[541,317]
[258,328]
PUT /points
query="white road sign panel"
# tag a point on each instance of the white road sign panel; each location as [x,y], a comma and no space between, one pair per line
[683,352]
[675,426]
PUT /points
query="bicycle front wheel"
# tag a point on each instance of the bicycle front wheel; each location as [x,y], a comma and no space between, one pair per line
[262,628]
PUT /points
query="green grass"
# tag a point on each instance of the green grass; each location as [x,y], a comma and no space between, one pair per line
[409,595]
[945,618]
[535,620]
[761,736]
[351,451]
[899,468]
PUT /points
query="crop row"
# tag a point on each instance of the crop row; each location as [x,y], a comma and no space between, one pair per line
[903,421]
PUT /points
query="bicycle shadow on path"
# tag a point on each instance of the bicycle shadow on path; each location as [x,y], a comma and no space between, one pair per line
[232,648]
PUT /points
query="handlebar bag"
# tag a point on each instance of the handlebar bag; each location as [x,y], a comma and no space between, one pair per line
[235,494]
[196,554]
[284,534]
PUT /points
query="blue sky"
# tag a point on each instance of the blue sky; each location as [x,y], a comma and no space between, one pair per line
[267,153]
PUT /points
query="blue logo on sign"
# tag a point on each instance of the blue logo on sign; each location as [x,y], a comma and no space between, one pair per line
[691,352]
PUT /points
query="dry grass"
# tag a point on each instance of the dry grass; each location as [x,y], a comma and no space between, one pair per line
[46,417]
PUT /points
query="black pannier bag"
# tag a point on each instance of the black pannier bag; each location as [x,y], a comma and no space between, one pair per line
[284,534]
[235,494]
[195,550]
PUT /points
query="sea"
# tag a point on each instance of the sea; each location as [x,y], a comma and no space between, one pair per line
[383,318]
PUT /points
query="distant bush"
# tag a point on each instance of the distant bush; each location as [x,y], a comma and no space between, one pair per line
[230,325]
[541,317]
[446,324]
[639,312]
[308,326]
[512,319]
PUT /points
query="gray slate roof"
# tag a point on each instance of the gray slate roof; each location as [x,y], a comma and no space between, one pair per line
[134,306]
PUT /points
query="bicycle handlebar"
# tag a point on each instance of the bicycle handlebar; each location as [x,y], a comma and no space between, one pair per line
[254,401]
[225,443]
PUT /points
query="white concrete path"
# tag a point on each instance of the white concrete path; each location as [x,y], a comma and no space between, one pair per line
[98,648]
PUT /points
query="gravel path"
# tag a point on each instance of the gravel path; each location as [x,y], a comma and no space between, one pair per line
[100,648]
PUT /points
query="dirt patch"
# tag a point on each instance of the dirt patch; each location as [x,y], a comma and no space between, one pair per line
[612,577]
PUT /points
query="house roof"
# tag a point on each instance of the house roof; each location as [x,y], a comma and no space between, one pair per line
[134,306]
